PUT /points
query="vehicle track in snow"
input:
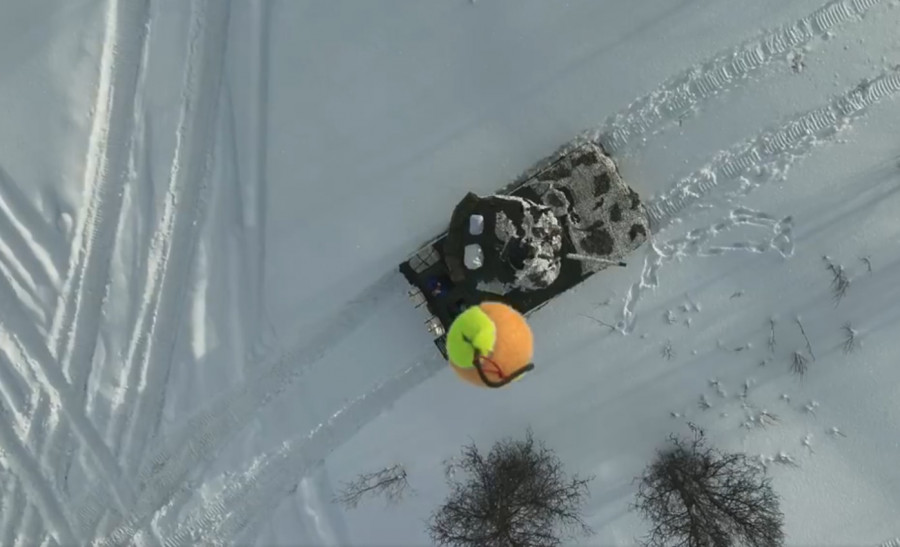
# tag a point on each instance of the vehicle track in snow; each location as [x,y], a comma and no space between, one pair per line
[751,159]
[75,326]
[678,98]
[790,141]
[151,345]
[260,492]
[268,479]
[112,135]
[644,118]
[167,465]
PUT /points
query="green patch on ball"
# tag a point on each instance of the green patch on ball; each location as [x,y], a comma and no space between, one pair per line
[471,330]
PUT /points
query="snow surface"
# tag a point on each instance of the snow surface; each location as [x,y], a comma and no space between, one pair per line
[203,204]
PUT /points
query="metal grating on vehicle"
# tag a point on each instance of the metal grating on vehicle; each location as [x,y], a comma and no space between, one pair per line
[424,259]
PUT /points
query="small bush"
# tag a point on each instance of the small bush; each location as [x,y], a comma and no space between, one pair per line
[517,495]
[389,483]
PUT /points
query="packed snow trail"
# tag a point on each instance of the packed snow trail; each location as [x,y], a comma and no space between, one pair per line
[271,477]
[151,346]
[165,468]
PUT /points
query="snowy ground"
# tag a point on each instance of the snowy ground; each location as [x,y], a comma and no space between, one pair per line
[202,206]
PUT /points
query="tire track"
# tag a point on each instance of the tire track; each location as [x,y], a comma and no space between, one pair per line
[678,98]
[165,469]
[171,250]
[270,478]
[792,140]
[76,323]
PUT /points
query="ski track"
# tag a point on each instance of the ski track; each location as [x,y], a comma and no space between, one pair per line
[249,179]
[152,343]
[253,195]
[236,256]
[40,492]
[16,393]
[20,287]
[270,478]
[17,385]
[679,97]
[792,140]
[23,344]
[17,268]
[185,451]
[891,543]
[44,249]
[111,137]
[73,333]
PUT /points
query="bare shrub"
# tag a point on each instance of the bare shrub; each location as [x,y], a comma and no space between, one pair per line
[390,483]
[850,343]
[697,496]
[517,495]
[839,280]
[799,364]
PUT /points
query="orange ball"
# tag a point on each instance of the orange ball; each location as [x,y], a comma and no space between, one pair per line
[513,348]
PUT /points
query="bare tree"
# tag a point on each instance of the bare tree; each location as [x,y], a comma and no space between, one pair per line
[390,482]
[696,496]
[517,496]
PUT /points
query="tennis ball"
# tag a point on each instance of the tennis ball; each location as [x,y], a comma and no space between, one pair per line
[472,329]
[499,333]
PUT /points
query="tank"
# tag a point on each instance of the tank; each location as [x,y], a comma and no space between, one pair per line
[566,218]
